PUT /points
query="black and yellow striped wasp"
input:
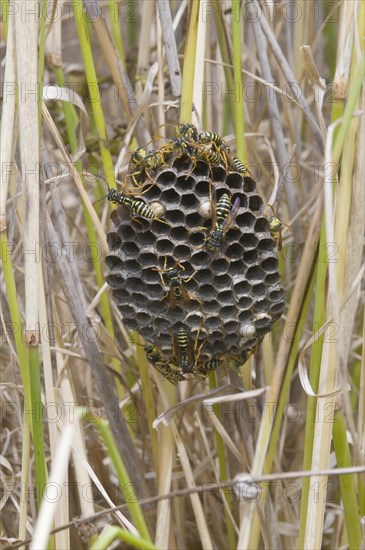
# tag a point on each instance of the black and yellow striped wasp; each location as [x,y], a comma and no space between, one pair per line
[154,160]
[224,215]
[220,153]
[186,135]
[210,137]
[231,161]
[205,367]
[183,351]
[194,150]
[136,164]
[186,355]
[193,143]
[239,167]
[142,162]
[237,360]
[171,277]
[219,147]
[187,131]
[180,145]
[275,229]
[223,150]
[209,156]
[162,364]
[137,158]
[138,207]
[191,133]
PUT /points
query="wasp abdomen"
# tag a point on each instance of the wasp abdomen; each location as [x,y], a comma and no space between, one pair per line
[223,208]
[208,137]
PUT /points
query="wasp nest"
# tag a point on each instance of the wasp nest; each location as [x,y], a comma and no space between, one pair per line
[199,302]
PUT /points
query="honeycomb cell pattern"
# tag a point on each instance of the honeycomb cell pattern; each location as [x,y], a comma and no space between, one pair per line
[223,301]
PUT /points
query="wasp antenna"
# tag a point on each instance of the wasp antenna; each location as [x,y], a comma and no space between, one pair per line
[267,213]
[101,178]
[158,137]
[169,124]
[118,182]
[104,180]
[101,198]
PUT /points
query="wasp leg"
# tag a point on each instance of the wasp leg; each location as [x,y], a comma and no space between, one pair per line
[134,175]
[194,160]
[148,188]
[194,297]
[236,361]
[196,349]
[191,276]
[135,219]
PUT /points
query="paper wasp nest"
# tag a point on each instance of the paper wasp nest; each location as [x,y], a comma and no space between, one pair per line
[231,297]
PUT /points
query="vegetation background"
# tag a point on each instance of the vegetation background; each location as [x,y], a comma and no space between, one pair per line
[82,456]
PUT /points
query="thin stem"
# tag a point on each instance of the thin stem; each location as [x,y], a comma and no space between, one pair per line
[94,92]
[124,480]
[237,65]
[186,105]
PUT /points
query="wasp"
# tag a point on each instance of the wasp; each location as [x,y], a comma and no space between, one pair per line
[137,206]
[153,353]
[199,152]
[208,155]
[137,158]
[221,148]
[211,364]
[236,361]
[275,229]
[187,131]
[231,161]
[239,167]
[154,160]
[223,216]
[171,277]
[145,159]
[177,145]
[211,137]
[186,355]
[170,374]
[136,163]
[142,161]
[162,365]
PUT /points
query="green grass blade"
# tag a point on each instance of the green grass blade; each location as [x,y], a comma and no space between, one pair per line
[111,534]
[237,65]
[92,81]
[124,480]
[186,104]
[347,483]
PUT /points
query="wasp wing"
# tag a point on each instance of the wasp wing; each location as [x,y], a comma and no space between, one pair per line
[173,300]
[232,215]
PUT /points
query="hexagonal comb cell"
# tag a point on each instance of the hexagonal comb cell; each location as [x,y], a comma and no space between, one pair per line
[201,284]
